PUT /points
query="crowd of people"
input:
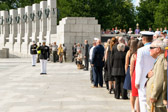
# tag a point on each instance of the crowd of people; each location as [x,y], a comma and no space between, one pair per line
[80,54]
[137,66]
[158,31]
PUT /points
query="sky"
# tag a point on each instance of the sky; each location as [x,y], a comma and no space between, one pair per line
[136,2]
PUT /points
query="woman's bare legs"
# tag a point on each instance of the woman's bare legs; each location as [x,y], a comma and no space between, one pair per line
[132,101]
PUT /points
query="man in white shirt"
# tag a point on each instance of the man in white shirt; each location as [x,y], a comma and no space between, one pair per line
[157,31]
[90,58]
[144,64]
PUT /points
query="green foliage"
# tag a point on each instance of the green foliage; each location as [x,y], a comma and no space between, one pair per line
[4,6]
[161,15]
[13,4]
[152,13]
[110,13]
[23,3]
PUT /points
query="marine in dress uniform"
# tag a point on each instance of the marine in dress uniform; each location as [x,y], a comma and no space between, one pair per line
[33,52]
[144,64]
[45,53]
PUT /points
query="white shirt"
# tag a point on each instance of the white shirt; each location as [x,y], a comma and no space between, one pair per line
[157,32]
[144,64]
[130,32]
[54,48]
[91,53]
[78,48]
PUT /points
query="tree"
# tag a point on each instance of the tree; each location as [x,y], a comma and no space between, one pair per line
[110,13]
[146,12]
[13,4]
[161,15]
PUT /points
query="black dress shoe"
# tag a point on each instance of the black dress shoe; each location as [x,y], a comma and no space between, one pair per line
[125,98]
[85,69]
[43,73]
[33,65]
[117,97]
[110,90]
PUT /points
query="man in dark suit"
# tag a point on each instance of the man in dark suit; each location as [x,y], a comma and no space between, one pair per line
[73,51]
[45,53]
[97,64]
[86,55]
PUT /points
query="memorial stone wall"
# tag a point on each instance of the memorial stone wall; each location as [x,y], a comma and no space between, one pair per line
[76,30]
[19,27]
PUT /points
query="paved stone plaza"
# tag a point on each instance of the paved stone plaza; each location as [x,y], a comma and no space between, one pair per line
[63,89]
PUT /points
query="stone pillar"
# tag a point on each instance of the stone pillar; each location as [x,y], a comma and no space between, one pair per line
[4,28]
[4,53]
[1,23]
[43,21]
[51,13]
[75,30]
[20,30]
[28,29]
[35,21]
[13,29]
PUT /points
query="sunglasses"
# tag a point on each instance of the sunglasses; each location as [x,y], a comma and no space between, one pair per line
[153,47]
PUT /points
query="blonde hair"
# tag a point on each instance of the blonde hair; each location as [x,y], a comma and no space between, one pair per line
[105,45]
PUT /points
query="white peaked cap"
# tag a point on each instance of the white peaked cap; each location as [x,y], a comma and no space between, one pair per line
[147,33]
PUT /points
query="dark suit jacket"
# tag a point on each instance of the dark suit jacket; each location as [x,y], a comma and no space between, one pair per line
[73,50]
[45,52]
[118,68]
[33,49]
[86,50]
[97,56]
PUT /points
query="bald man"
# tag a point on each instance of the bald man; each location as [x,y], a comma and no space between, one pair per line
[97,64]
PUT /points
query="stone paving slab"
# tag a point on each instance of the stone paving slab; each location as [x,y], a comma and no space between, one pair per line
[63,89]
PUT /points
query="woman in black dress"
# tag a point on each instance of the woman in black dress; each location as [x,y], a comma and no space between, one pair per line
[110,78]
[118,70]
[106,45]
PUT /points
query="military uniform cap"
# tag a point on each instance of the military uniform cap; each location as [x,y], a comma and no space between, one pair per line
[146,33]
[34,41]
